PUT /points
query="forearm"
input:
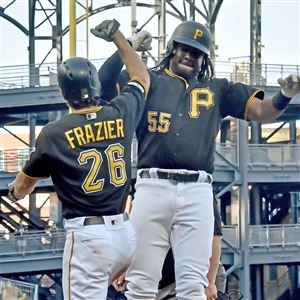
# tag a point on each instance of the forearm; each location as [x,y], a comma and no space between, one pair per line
[215,259]
[109,74]
[132,61]
[263,111]
[23,185]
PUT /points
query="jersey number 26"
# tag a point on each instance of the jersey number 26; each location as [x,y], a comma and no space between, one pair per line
[116,165]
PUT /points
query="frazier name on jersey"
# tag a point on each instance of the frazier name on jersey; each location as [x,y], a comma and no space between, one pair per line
[99,131]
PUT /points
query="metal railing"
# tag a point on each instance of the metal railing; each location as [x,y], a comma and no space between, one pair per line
[261,155]
[43,242]
[265,236]
[31,242]
[22,76]
[266,155]
[268,236]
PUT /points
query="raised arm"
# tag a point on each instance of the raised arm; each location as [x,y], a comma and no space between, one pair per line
[109,30]
[270,108]
[109,73]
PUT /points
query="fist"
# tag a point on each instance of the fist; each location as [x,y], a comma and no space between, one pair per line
[106,30]
[141,41]
[290,86]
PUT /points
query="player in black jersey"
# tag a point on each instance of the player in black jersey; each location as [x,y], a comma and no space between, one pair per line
[87,154]
[173,204]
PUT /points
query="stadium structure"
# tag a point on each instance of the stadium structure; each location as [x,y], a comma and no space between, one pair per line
[257,169]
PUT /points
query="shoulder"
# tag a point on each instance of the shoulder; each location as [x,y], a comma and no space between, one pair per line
[52,128]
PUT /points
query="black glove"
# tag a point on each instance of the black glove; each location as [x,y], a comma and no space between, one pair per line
[106,30]
[11,196]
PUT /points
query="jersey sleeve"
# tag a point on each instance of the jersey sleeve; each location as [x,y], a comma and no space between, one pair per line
[131,100]
[37,166]
[237,97]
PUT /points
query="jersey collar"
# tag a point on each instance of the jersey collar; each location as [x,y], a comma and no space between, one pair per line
[176,76]
[85,110]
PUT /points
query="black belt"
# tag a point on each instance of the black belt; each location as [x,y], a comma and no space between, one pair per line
[100,220]
[180,177]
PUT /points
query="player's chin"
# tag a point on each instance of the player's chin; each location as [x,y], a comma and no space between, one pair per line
[186,71]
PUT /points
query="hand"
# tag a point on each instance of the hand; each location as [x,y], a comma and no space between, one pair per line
[106,30]
[141,41]
[211,292]
[11,196]
[290,86]
[120,283]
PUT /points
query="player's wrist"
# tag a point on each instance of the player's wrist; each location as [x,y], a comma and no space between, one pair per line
[280,101]
[13,197]
[11,192]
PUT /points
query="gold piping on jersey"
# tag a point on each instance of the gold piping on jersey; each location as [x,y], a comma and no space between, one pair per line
[249,103]
[176,76]
[118,88]
[86,110]
[94,132]
[33,177]
[70,259]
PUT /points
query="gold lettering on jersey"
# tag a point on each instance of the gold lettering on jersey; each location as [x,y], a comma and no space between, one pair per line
[99,131]
[90,137]
[198,34]
[70,138]
[79,134]
[120,129]
[111,128]
[200,97]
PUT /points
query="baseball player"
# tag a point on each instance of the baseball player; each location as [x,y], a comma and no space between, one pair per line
[173,204]
[87,154]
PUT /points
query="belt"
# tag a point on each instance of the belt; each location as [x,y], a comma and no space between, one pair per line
[100,220]
[180,177]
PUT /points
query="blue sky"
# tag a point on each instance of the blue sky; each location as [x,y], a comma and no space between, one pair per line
[280,31]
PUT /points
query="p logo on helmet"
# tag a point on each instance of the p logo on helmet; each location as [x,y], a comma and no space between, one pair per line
[198,34]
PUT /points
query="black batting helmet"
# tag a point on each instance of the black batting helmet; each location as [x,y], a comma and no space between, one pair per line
[193,34]
[79,82]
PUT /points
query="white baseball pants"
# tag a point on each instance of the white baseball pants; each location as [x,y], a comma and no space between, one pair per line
[94,255]
[178,214]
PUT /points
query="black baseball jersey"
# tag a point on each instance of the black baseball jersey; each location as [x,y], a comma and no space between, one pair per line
[88,155]
[181,120]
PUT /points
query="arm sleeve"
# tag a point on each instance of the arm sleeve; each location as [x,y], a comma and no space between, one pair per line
[109,74]
[37,166]
[237,97]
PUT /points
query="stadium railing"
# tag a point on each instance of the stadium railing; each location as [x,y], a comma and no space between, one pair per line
[21,76]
